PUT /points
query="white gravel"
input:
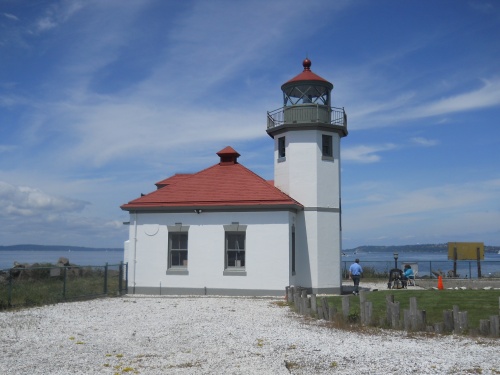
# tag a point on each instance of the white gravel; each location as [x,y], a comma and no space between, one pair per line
[218,335]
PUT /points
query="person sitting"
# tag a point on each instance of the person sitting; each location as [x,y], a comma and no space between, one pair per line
[407,274]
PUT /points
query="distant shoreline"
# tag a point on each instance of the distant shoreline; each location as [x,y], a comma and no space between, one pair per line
[66,248]
[62,250]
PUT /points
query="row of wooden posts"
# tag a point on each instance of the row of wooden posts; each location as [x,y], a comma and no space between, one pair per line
[454,321]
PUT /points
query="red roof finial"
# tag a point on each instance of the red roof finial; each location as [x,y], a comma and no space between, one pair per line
[306,64]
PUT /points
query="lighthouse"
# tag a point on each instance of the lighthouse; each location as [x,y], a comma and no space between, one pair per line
[307,131]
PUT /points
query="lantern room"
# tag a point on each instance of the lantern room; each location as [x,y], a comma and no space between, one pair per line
[307,102]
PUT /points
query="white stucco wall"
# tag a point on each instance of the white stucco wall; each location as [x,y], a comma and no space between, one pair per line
[267,250]
[303,174]
[314,181]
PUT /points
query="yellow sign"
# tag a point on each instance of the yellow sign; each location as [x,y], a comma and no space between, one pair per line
[465,250]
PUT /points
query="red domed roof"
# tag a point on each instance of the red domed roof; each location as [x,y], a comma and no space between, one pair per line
[307,74]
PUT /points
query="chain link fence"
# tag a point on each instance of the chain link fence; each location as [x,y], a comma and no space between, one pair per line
[430,269]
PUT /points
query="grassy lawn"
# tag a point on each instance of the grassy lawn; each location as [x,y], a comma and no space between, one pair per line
[52,290]
[479,304]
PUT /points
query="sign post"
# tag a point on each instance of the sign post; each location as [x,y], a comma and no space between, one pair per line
[466,251]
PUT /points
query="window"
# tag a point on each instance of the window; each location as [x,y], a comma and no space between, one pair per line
[281,147]
[235,250]
[177,250]
[327,146]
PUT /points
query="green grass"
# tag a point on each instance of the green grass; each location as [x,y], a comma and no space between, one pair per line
[46,290]
[479,304]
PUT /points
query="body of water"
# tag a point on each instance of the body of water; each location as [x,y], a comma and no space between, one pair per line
[426,261]
[81,258]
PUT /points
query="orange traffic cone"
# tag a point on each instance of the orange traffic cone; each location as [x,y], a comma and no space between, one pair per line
[440,282]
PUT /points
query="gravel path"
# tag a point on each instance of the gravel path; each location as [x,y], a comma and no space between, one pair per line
[216,335]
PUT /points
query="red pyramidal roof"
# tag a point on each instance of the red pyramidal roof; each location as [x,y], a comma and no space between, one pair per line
[225,185]
[307,74]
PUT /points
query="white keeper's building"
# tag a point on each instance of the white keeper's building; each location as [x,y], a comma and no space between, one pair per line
[227,231]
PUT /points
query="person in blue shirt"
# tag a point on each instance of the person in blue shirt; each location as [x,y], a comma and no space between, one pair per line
[407,273]
[355,271]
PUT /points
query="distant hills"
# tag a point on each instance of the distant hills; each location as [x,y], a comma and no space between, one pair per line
[413,248]
[367,248]
[29,247]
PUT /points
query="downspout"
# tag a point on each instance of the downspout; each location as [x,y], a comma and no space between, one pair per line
[135,246]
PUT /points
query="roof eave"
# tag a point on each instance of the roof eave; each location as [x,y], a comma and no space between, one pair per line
[212,208]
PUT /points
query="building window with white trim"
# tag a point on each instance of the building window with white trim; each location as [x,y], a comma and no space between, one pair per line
[177,249]
[235,249]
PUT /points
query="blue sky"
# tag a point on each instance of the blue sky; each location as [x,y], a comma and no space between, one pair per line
[101,99]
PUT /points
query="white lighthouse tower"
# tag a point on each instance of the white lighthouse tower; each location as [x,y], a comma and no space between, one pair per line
[307,132]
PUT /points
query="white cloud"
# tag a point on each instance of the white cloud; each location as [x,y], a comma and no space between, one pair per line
[365,154]
[437,212]
[27,201]
[29,215]
[57,14]
[421,141]
[488,95]
[11,16]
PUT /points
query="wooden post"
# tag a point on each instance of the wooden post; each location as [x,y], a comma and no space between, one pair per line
[395,314]
[422,319]
[463,322]
[314,307]
[296,296]
[406,320]
[362,308]
[389,299]
[368,307]
[484,327]
[495,325]
[345,306]
[414,315]
[456,321]
[307,306]
[300,305]
[448,323]
[478,254]
[455,256]
[326,308]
